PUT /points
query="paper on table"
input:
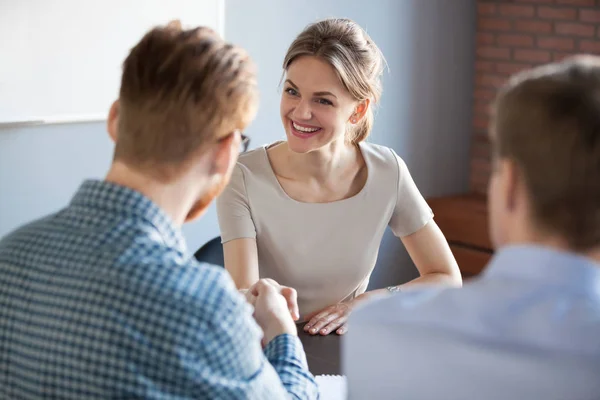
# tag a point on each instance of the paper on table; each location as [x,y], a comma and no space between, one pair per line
[332,387]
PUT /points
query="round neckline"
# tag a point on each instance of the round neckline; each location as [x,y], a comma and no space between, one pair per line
[287,196]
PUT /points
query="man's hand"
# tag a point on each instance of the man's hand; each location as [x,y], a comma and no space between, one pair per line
[274,306]
[290,295]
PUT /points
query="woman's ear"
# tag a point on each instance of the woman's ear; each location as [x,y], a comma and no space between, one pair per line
[360,111]
[112,122]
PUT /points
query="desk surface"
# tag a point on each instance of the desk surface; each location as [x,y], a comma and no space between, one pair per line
[322,352]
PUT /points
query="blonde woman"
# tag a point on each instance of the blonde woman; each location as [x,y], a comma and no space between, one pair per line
[310,212]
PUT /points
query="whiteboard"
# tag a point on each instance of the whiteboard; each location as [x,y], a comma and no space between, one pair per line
[60,60]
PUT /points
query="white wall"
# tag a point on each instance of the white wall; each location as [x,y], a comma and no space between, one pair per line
[424,114]
[41,167]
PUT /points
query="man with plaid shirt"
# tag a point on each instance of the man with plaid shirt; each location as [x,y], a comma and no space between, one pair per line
[102,300]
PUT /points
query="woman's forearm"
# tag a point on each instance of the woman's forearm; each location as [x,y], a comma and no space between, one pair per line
[436,278]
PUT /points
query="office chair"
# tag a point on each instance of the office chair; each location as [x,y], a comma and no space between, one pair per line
[211,252]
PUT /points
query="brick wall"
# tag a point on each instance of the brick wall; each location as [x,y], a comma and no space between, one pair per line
[517,34]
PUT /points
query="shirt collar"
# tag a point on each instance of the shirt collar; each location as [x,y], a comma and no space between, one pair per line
[547,265]
[120,200]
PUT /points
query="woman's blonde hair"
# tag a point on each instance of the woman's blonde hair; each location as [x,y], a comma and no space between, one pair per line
[355,57]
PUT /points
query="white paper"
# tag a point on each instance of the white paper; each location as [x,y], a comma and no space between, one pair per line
[332,387]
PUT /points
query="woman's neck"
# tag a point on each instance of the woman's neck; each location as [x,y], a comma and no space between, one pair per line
[325,164]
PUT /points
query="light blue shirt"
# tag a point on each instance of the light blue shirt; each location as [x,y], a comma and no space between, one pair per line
[527,328]
[101,301]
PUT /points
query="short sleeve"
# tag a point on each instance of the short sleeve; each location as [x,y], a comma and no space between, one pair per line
[233,209]
[411,211]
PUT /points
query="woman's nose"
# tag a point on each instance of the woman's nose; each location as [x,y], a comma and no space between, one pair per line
[303,111]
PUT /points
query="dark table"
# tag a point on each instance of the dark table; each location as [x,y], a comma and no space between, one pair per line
[322,352]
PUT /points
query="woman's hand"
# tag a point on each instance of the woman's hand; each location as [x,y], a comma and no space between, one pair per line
[329,319]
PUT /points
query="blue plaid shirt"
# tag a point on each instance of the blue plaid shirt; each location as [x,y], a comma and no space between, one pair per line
[101,301]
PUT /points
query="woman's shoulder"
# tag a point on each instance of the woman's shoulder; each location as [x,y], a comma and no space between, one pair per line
[380,157]
[254,165]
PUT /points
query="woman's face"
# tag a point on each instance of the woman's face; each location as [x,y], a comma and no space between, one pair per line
[316,109]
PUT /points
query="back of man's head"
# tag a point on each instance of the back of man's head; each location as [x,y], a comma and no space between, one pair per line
[180,90]
[546,121]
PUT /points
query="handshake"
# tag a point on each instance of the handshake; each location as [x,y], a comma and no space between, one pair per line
[275,308]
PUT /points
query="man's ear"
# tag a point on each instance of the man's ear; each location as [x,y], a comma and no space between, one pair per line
[360,111]
[112,122]
[225,154]
[512,183]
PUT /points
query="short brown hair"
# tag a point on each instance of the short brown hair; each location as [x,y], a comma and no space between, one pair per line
[353,54]
[181,89]
[547,120]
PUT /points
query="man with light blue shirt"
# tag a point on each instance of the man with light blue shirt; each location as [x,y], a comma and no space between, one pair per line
[529,326]
[102,299]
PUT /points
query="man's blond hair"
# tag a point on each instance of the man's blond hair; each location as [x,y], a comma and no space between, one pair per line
[180,90]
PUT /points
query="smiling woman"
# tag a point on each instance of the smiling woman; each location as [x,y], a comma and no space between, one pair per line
[310,212]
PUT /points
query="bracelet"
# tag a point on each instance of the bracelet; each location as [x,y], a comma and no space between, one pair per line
[394,289]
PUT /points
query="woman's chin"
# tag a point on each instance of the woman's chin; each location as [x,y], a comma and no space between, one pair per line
[301,145]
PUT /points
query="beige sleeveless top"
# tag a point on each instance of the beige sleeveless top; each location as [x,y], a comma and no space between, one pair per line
[326,251]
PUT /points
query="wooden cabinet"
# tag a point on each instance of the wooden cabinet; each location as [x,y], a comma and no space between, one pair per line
[464,221]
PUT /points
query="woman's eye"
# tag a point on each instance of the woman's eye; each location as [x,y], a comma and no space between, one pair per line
[324,102]
[291,91]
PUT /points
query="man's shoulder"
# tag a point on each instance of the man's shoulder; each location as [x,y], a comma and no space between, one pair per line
[411,305]
[442,307]
[201,287]
[28,234]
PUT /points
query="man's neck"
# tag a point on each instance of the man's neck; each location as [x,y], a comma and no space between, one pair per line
[174,198]
[594,254]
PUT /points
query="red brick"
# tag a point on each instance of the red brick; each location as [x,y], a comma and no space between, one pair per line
[589,16]
[480,122]
[477,134]
[494,53]
[484,66]
[589,46]
[574,29]
[478,184]
[558,56]
[511,68]
[534,56]
[511,10]
[480,175]
[480,149]
[577,2]
[515,40]
[486,9]
[533,26]
[484,94]
[535,1]
[557,13]
[481,108]
[485,38]
[481,168]
[556,43]
[481,165]
[489,80]
[493,24]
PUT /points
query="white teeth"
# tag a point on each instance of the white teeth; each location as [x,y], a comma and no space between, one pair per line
[302,129]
